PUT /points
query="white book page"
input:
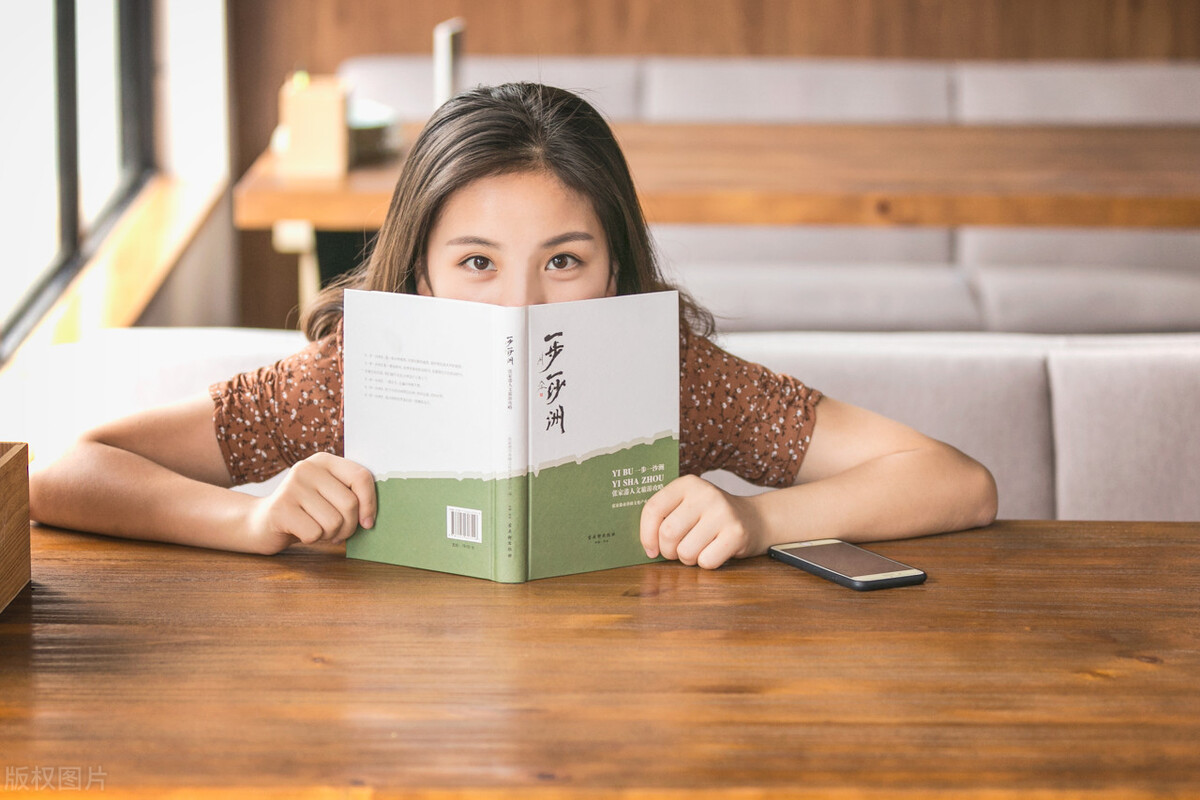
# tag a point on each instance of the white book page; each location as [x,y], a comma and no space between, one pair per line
[602,374]
[422,384]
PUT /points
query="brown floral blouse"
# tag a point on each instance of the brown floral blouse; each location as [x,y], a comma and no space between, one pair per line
[733,414]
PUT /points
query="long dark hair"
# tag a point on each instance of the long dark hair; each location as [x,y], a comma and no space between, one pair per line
[516,127]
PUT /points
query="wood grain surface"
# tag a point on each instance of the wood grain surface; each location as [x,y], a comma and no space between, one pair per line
[837,175]
[1041,659]
[14,520]
[322,33]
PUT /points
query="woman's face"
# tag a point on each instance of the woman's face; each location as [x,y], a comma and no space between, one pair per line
[517,240]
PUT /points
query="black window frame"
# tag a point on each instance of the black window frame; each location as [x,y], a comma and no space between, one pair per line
[135,34]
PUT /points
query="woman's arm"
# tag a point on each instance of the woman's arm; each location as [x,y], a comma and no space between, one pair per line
[160,475]
[864,478]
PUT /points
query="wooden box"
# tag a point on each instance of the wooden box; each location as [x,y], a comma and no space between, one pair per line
[14,520]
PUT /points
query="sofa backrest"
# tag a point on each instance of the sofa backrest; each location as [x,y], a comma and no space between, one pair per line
[1071,427]
[1081,280]
[1125,439]
[795,90]
[1079,93]
[612,84]
[820,278]
[750,295]
[985,394]
[404,83]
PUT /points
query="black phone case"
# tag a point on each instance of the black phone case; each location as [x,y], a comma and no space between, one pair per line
[842,580]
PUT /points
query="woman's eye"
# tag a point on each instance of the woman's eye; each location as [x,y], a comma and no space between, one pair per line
[562,261]
[478,264]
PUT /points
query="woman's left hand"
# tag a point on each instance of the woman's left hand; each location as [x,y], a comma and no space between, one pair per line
[693,521]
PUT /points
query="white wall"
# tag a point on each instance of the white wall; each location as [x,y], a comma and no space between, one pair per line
[203,288]
[192,124]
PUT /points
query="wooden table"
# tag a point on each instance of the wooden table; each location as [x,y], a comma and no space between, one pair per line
[1041,659]
[840,175]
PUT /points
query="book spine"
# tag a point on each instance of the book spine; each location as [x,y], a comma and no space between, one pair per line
[510,495]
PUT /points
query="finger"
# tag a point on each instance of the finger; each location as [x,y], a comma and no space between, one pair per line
[329,488]
[360,481]
[722,548]
[324,513]
[701,535]
[350,487]
[655,510]
[676,527]
[295,521]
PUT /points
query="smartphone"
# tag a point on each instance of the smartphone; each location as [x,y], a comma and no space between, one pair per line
[847,564]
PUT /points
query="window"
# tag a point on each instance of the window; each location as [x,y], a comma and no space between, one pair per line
[76,144]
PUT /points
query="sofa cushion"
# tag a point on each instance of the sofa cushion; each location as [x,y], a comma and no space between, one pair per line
[1125,431]
[987,396]
[795,90]
[848,297]
[1087,299]
[1085,280]
[611,84]
[1095,93]
[817,244]
[404,84]
[1111,247]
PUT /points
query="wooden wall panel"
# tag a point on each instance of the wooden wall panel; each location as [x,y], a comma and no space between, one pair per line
[266,40]
[269,38]
[983,29]
[327,31]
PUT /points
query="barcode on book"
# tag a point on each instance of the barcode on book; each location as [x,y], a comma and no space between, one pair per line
[464,524]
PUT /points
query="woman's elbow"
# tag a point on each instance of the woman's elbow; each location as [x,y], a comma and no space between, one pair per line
[983,494]
[969,498]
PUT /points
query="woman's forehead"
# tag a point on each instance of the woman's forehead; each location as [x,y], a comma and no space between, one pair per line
[509,204]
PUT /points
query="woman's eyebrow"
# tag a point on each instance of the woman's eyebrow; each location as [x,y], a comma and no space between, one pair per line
[573,236]
[479,241]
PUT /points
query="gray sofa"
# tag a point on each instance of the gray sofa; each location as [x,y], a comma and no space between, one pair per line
[817,90]
[856,279]
[1072,427]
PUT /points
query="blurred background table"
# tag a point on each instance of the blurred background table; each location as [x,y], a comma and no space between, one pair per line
[935,175]
[1040,659]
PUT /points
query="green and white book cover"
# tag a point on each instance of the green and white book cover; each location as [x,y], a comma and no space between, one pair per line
[511,443]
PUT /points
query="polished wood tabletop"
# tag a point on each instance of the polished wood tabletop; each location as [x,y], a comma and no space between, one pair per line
[937,175]
[1040,659]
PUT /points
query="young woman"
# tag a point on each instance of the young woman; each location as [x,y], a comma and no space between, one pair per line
[514,195]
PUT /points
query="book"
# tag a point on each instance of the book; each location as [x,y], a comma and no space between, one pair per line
[510,443]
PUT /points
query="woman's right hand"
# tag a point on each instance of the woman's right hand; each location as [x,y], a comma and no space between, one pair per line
[323,499]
